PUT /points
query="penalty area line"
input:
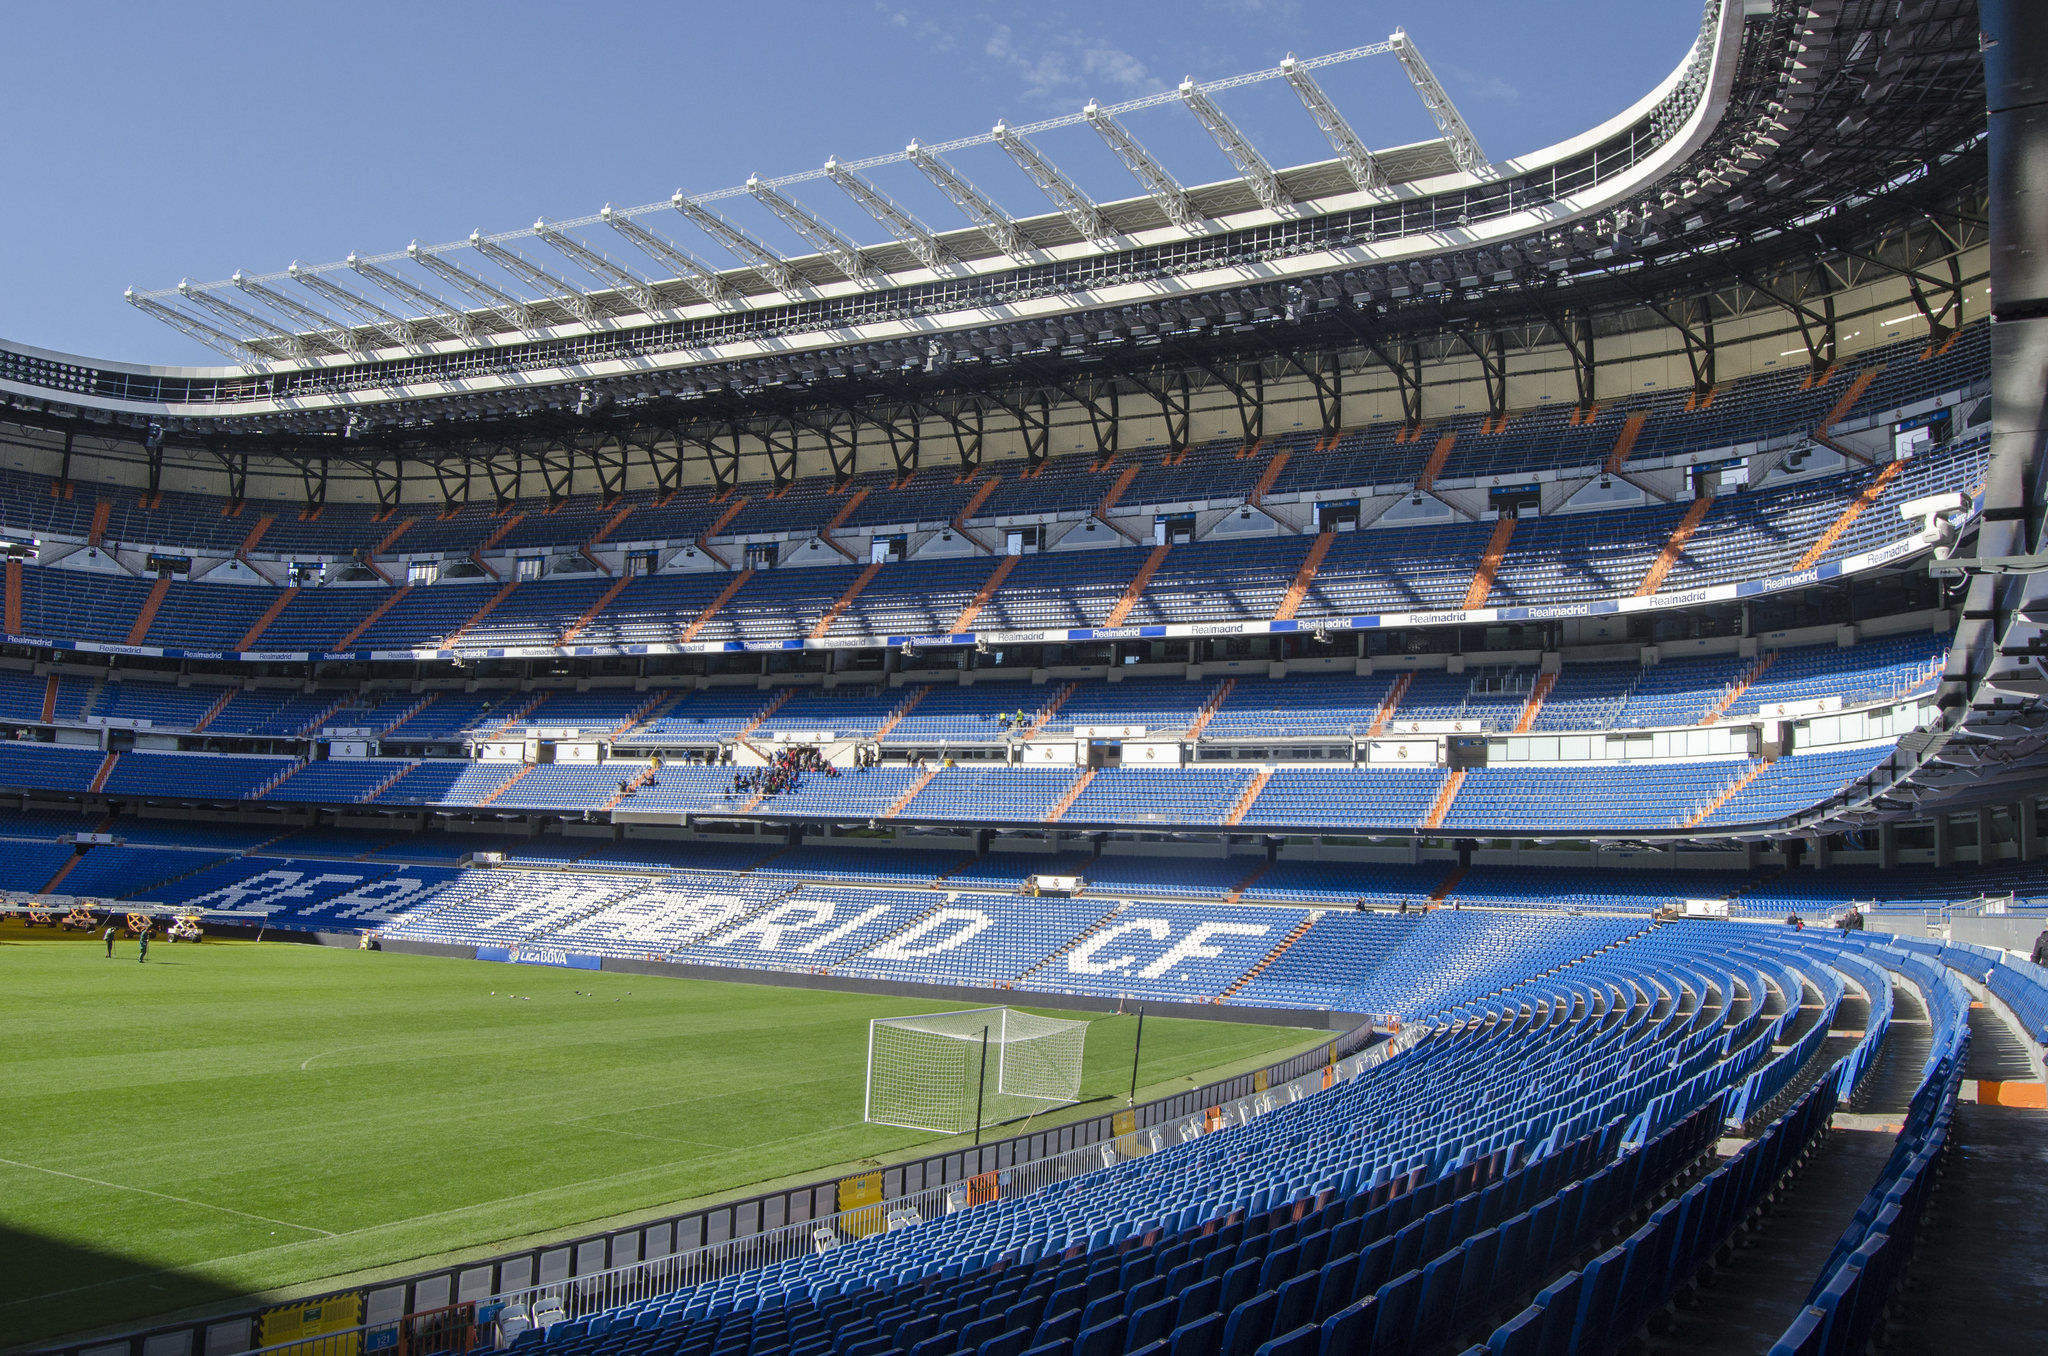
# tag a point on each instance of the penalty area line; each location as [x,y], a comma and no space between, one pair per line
[166,1196]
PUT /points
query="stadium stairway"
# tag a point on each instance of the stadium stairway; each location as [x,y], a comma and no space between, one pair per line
[490,605]
[1305,577]
[1129,600]
[987,591]
[725,595]
[1392,703]
[262,623]
[896,806]
[1210,708]
[917,694]
[1285,944]
[13,611]
[1740,686]
[780,700]
[845,600]
[1077,940]
[1853,510]
[1625,441]
[1990,1228]
[1534,707]
[507,784]
[1448,793]
[1072,794]
[718,525]
[1727,793]
[591,613]
[1489,563]
[1653,578]
[375,614]
[1050,709]
[1438,457]
[1249,796]
[147,613]
[1250,878]
[1752,1293]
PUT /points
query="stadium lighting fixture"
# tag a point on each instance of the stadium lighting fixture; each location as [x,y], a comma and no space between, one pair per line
[337,336]
[692,271]
[262,329]
[1163,187]
[360,309]
[844,254]
[995,223]
[1075,205]
[515,311]
[1457,133]
[1351,150]
[219,340]
[1253,166]
[456,322]
[764,261]
[595,264]
[901,224]
[533,275]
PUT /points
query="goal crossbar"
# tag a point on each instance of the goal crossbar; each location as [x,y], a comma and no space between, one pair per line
[951,1072]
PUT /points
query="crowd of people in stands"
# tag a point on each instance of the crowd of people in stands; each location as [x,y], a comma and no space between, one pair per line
[785,773]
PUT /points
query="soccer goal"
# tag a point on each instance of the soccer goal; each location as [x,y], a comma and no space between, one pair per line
[951,1072]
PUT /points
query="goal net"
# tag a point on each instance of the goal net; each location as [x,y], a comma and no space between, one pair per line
[932,1072]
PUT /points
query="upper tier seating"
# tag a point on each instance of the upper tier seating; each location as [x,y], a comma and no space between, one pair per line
[1745,534]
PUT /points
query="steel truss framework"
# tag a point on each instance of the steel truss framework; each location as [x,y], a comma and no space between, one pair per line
[1925,240]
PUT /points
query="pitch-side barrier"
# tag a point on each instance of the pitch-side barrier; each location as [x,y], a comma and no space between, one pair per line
[495,1319]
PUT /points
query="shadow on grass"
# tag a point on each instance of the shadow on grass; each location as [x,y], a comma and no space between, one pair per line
[53,1288]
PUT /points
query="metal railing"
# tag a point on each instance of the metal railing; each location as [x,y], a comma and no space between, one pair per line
[498,1317]
[599,1291]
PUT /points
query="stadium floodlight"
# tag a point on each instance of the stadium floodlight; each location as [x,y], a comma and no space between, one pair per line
[511,308]
[1075,205]
[432,307]
[765,261]
[1164,188]
[262,329]
[901,224]
[335,336]
[569,247]
[1464,146]
[995,223]
[951,1072]
[1358,162]
[192,327]
[360,309]
[533,275]
[1255,168]
[691,270]
[844,254]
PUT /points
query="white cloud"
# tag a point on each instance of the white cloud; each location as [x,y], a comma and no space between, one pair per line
[1068,64]
[1483,88]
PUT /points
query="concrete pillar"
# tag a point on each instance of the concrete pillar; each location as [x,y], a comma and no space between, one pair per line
[1944,842]
[1823,851]
[1987,838]
[2026,816]
[1887,845]
[1752,855]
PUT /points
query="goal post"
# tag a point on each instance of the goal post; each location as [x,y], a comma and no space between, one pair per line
[952,1072]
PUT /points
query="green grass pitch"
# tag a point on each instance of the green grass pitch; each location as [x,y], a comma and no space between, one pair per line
[234,1119]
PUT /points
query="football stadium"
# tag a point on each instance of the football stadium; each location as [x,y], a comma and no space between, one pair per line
[1397,753]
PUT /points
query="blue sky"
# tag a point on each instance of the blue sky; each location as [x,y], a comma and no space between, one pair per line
[153,142]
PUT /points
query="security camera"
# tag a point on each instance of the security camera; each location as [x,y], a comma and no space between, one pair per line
[1937,515]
